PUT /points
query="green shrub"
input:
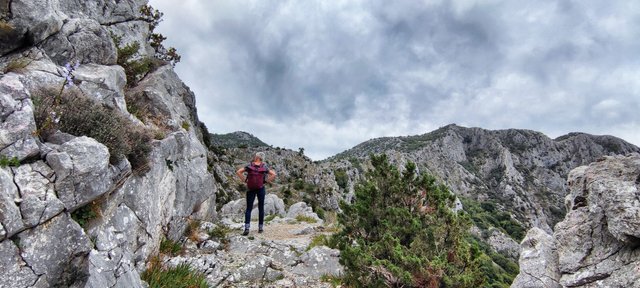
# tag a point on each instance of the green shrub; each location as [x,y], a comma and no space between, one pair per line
[304,218]
[9,162]
[169,247]
[135,67]
[413,240]
[320,212]
[185,125]
[85,214]
[298,184]
[341,178]
[270,218]
[181,276]
[318,240]
[487,214]
[334,281]
[82,116]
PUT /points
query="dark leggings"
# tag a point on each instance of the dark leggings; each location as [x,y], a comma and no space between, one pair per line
[251,196]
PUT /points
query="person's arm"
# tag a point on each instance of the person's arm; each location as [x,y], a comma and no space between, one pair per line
[240,174]
[271,176]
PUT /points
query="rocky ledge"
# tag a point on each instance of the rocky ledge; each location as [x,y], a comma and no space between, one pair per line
[598,242]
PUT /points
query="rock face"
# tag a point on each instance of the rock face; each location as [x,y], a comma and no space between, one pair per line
[598,243]
[69,215]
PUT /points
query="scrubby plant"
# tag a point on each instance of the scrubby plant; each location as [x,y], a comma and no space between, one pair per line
[402,232]
[487,214]
[318,240]
[185,125]
[193,228]
[135,67]
[72,112]
[169,247]
[341,178]
[305,218]
[154,17]
[181,276]
[9,162]
[85,214]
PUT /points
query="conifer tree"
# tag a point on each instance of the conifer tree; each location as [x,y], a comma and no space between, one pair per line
[401,231]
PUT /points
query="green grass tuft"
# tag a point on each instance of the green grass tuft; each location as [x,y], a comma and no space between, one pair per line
[181,276]
[304,218]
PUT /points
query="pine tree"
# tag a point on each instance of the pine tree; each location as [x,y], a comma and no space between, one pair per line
[401,232]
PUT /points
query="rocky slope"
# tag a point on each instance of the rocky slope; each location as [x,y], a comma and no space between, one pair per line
[598,242]
[69,215]
[236,139]
[522,171]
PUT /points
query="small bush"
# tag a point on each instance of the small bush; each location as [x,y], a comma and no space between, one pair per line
[135,68]
[170,247]
[341,178]
[305,218]
[181,276]
[85,214]
[82,116]
[318,240]
[185,125]
[298,184]
[9,162]
[192,230]
[270,218]
[334,281]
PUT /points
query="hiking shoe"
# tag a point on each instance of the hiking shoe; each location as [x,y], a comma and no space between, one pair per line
[246,232]
[260,230]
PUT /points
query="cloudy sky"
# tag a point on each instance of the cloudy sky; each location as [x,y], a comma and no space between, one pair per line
[327,75]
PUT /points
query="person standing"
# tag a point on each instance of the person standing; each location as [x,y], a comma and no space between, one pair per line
[257,174]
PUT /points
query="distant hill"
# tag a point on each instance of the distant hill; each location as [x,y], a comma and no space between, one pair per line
[236,139]
[523,172]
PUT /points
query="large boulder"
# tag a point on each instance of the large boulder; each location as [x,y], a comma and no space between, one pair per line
[83,40]
[39,202]
[235,209]
[598,242]
[82,171]
[56,251]
[538,261]
[302,209]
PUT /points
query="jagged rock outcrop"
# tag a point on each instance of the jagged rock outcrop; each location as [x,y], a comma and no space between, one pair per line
[598,243]
[71,216]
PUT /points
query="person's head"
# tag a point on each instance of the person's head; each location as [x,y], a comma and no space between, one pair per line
[259,155]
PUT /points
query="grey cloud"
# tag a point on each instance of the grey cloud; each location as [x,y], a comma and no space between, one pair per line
[543,65]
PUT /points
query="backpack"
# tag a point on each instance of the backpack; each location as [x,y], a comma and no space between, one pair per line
[255,176]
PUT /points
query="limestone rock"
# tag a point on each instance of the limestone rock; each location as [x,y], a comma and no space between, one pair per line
[103,83]
[10,217]
[83,40]
[56,251]
[301,209]
[15,272]
[82,171]
[16,120]
[319,261]
[37,20]
[235,209]
[597,243]
[39,201]
[538,262]
[503,244]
